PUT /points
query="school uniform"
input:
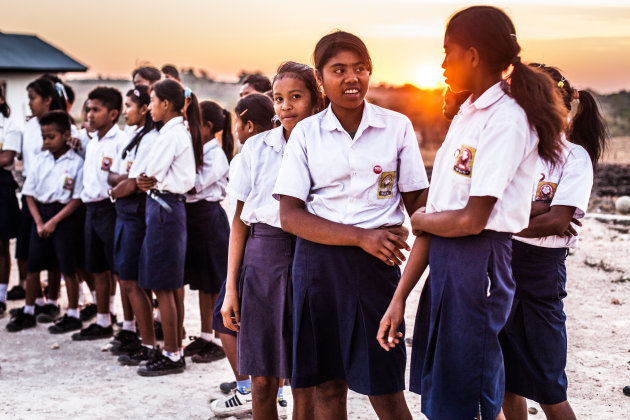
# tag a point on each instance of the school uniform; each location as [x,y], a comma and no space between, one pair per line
[130,210]
[264,343]
[100,220]
[10,140]
[339,292]
[207,224]
[534,339]
[172,163]
[53,183]
[456,363]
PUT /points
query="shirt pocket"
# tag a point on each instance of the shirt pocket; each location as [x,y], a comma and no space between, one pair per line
[381,182]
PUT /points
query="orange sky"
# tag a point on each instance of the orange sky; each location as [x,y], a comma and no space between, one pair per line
[588,40]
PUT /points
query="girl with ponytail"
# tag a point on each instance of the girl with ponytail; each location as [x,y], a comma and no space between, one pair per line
[560,196]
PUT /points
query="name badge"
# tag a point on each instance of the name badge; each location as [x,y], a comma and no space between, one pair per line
[129,163]
[545,191]
[68,183]
[106,163]
[464,160]
[386,184]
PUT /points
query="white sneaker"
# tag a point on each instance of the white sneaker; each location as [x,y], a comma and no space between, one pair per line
[282,408]
[236,404]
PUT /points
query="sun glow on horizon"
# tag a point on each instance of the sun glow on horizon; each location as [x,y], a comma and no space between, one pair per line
[429,77]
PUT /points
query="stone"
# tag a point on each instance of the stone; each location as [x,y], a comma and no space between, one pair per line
[55,346]
[622,205]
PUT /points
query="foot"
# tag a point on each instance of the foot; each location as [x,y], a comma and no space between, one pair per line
[93,332]
[3,309]
[65,324]
[124,337]
[211,353]
[21,322]
[16,311]
[196,346]
[162,365]
[128,347]
[50,313]
[236,404]
[16,293]
[282,408]
[88,312]
[143,354]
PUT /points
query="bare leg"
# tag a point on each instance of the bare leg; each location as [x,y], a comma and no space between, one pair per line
[54,284]
[229,344]
[88,278]
[560,411]
[72,289]
[33,285]
[168,308]
[142,308]
[102,286]
[22,271]
[206,306]
[303,403]
[331,400]
[179,304]
[514,407]
[5,262]
[391,406]
[128,312]
[264,393]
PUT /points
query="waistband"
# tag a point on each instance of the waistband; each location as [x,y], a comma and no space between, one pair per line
[263,229]
[168,194]
[539,250]
[492,234]
[105,204]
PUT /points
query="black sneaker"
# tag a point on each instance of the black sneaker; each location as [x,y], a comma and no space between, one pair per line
[21,322]
[16,293]
[227,387]
[124,337]
[211,353]
[93,332]
[159,334]
[128,347]
[50,313]
[162,365]
[17,311]
[3,309]
[197,345]
[65,324]
[88,312]
[143,354]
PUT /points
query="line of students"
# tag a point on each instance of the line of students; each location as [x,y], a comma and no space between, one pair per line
[311,270]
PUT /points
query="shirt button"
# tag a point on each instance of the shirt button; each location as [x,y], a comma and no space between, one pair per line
[354,173]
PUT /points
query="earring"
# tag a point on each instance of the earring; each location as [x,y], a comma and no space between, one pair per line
[250,130]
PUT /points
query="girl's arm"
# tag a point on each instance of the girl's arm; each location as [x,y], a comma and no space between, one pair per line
[388,336]
[238,239]
[414,200]
[470,220]
[124,188]
[37,218]
[378,242]
[557,221]
[114,179]
[6,157]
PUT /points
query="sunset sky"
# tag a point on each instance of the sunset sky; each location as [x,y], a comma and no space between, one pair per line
[588,40]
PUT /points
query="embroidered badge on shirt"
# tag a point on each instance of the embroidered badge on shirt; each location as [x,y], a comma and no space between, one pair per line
[545,191]
[106,163]
[129,163]
[386,184]
[68,183]
[464,160]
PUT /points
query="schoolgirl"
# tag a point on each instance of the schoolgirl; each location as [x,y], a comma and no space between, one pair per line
[343,181]
[208,227]
[130,226]
[10,143]
[169,174]
[261,254]
[253,115]
[478,198]
[534,367]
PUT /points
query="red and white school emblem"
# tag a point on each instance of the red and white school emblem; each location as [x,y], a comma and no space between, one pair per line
[464,160]
[129,163]
[106,163]
[545,191]
[68,183]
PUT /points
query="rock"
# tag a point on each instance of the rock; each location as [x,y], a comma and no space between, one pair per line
[622,205]
[532,410]
[615,301]
[106,347]
[626,390]
[55,346]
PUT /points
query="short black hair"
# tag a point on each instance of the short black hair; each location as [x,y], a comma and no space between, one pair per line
[148,73]
[259,82]
[170,70]
[60,119]
[109,96]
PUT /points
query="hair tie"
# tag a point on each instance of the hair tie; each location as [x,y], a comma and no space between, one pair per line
[187,93]
[561,82]
[136,92]
[515,60]
[61,90]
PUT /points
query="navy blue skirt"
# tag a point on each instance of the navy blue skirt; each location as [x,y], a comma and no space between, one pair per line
[217,318]
[207,246]
[456,360]
[534,339]
[60,250]
[340,295]
[9,207]
[164,248]
[129,235]
[265,339]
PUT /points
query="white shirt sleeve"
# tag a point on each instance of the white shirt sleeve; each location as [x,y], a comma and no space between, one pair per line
[30,184]
[412,175]
[12,138]
[294,177]
[78,184]
[500,151]
[214,168]
[240,185]
[576,181]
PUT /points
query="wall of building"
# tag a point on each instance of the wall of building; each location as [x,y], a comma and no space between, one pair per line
[16,95]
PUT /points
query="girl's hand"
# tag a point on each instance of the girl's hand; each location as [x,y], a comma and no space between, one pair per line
[48,229]
[571,230]
[75,144]
[401,231]
[231,312]
[145,183]
[384,245]
[416,220]
[40,229]
[388,335]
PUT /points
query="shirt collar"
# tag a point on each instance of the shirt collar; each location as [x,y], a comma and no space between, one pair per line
[275,139]
[112,132]
[369,119]
[171,123]
[66,155]
[490,96]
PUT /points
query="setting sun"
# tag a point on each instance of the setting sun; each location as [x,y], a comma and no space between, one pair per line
[429,77]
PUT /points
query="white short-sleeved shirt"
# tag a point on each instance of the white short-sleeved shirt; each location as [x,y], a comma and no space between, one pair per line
[172,159]
[10,138]
[254,178]
[55,180]
[212,179]
[568,184]
[100,160]
[353,181]
[234,167]
[32,142]
[84,138]
[490,150]
[135,161]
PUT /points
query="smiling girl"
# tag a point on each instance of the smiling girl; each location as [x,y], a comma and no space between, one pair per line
[346,175]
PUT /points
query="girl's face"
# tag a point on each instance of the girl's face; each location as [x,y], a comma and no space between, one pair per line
[157,107]
[457,66]
[292,102]
[243,130]
[134,114]
[345,79]
[39,106]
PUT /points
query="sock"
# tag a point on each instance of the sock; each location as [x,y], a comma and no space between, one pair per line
[40,301]
[245,386]
[29,309]
[147,346]
[181,352]
[103,320]
[173,356]
[112,299]
[281,393]
[81,294]
[53,302]
[3,292]
[73,313]
[158,315]
[93,297]
[206,336]
[129,326]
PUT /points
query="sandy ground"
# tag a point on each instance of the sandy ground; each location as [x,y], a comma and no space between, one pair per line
[81,381]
